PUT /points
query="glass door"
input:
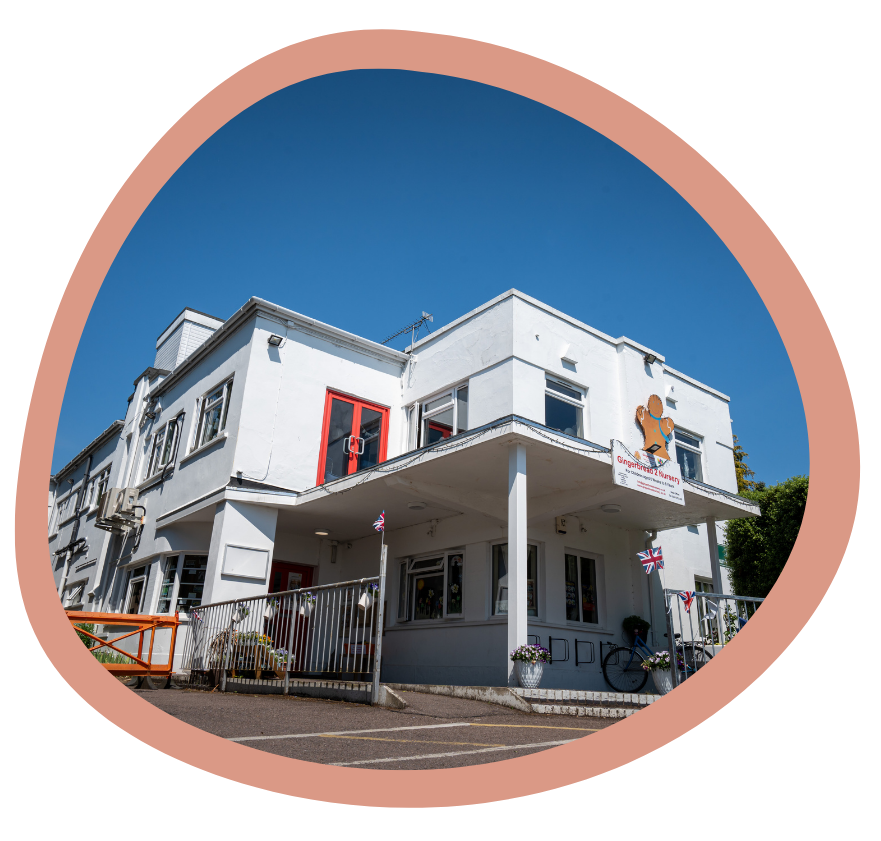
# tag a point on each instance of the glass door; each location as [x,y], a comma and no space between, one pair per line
[353,437]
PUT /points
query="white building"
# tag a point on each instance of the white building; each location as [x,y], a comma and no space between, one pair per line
[265,446]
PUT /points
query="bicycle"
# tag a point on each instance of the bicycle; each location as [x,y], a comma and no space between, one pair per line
[622,666]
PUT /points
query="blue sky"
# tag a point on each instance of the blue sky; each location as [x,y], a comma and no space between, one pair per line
[364,198]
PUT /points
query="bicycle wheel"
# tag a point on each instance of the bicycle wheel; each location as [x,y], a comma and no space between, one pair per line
[623,671]
[694,658]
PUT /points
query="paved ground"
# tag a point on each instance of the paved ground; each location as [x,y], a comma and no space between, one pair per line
[433,732]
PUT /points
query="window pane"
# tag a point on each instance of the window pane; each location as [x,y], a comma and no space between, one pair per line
[563,417]
[167,588]
[589,611]
[561,389]
[336,461]
[500,579]
[688,440]
[431,405]
[370,433]
[427,563]
[454,584]
[571,588]
[462,409]
[690,463]
[170,435]
[134,598]
[438,427]
[428,596]
[192,582]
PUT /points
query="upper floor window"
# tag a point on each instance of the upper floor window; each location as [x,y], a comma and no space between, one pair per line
[213,409]
[688,454]
[443,415]
[163,448]
[97,488]
[564,408]
[354,436]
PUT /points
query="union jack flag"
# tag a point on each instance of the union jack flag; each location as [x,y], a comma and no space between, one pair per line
[195,615]
[687,597]
[379,525]
[651,559]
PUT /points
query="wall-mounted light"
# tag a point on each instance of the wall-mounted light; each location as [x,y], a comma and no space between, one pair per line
[322,532]
[274,341]
[650,358]
[611,508]
[653,449]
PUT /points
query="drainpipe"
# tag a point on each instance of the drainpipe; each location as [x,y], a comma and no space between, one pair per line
[76,525]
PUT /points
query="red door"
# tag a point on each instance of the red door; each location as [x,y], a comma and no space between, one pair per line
[288,627]
[353,437]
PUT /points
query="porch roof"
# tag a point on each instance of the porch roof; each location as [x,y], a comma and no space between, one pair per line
[469,475]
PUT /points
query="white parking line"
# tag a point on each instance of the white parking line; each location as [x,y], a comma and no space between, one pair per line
[348,732]
[454,753]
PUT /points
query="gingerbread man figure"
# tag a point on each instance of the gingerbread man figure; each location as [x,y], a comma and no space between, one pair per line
[656,429]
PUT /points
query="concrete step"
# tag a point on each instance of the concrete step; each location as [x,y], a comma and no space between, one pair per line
[594,704]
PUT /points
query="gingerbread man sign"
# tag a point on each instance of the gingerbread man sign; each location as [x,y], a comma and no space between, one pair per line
[657,430]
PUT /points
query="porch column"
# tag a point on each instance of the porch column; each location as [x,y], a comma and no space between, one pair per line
[714,554]
[516,553]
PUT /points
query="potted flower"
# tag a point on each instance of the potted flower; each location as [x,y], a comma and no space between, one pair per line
[240,613]
[659,667]
[367,597]
[634,625]
[307,602]
[529,663]
[271,608]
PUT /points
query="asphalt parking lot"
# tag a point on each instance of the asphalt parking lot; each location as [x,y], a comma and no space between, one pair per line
[433,732]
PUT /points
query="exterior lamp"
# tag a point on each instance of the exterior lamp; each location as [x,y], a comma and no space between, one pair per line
[274,341]
[322,532]
[653,449]
[650,358]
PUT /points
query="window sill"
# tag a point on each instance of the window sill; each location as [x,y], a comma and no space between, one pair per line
[153,480]
[208,446]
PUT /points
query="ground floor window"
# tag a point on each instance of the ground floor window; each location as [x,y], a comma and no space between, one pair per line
[500,579]
[582,600]
[137,587]
[431,588]
[182,584]
[73,596]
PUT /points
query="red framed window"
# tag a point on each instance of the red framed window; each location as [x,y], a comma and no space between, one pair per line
[354,436]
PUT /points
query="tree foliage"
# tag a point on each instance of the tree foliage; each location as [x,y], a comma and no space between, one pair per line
[741,468]
[758,547]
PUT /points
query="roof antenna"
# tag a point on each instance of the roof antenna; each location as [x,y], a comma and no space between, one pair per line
[412,328]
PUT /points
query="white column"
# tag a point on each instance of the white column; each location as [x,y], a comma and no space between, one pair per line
[714,554]
[516,553]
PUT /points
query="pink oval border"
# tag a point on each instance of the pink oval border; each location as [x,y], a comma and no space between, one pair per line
[818,368]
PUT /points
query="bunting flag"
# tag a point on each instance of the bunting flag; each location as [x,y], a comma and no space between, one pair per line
[195,615]
[651,560]
[712,609]
[687,597]
[379,525]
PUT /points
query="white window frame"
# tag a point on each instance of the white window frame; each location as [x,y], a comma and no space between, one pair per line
[132,579]
[159,450]
[699,451]
[95,488]
[174,562]
[407,575]
[539,582]
[600,595]
[453,403]
[61,505]
[72,590]
[202,409]
[564,398]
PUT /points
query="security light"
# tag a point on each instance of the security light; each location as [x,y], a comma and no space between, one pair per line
[650,358]
[274,340]
[653,449]
[322,532]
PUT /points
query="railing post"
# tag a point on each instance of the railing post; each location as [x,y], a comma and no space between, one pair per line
[290,641]
[228,646]
[671,641]
[377,657]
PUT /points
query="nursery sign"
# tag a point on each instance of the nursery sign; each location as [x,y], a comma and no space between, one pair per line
[647,474]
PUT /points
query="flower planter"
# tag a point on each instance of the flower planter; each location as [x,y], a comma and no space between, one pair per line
[269,613]
[663,679]
[365,602]
[528,674]
[306,609]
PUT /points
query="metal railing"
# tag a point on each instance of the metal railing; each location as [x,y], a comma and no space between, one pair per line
[329,632]
[701,632]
